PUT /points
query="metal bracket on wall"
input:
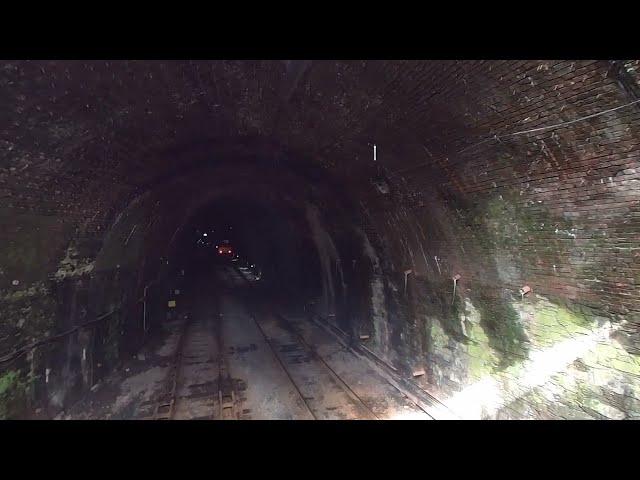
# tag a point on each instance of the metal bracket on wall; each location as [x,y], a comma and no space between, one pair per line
[524,290]
[455,282]
[406,274]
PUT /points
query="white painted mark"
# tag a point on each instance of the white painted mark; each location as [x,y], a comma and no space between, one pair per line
[130,233]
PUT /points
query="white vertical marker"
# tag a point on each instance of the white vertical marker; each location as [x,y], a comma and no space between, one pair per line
[374,152]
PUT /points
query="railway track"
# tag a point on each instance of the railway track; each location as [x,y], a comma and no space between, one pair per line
[410,398]
[429,404]
[164,408]
[228,395]
[199,382]
[293,351]
[282,364]
[303,345]
[289,354]
[198,385]
[314,354]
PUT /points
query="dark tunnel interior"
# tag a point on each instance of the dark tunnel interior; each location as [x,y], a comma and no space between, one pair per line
[273,240]
[320,239]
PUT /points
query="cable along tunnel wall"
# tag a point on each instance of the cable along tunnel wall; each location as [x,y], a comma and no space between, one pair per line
[507,173]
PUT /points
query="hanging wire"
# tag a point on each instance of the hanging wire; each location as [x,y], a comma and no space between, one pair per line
[549,127]
[498,138]
[17,353]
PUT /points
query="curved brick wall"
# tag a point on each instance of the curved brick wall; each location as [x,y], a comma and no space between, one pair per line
[507,173]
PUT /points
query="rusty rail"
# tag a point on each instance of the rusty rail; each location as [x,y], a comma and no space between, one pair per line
[165,404]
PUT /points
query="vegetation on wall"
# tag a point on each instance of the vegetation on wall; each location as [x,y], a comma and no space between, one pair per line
[13,393]
[502,325]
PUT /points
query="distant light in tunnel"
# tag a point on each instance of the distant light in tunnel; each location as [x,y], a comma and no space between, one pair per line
[204,234]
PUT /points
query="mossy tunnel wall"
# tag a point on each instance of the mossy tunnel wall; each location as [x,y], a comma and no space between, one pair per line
[377,183]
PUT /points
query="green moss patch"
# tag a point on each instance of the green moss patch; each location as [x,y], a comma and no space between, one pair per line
[438,304]
[502,326]
[554,323]
[13,392]
[482,359]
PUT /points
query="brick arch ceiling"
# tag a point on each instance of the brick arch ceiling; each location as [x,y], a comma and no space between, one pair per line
[106,121]
[81,137]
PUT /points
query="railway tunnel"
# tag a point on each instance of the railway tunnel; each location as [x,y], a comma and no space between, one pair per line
[410,239]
